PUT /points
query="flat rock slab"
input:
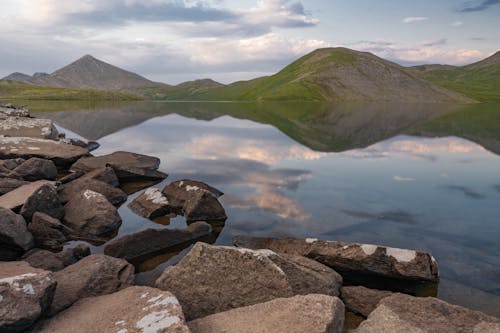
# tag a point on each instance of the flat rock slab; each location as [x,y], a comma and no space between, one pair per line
[352,258]
[211,279]
[131,310]
[127,166]
[60,153]
[148,242]
[9,184]
[404,313]
[25,295]
[16,198]
[28,127]
[312,313]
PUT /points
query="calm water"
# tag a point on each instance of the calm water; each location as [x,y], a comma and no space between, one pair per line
[353,173]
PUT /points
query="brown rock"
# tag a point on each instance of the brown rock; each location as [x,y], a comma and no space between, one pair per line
[150,241]
[15,239]
[150,204]
[127,166]
[131,310]
[90,214]
[10,184]
[16,198]
[48,232]
[51,261]
[114,195]
[211,279]
[94,275]
[37,169]
[28,127]
[12,163]
[180,191]
[25,295]
[361,300]
[312,313]
[404,313]
[43,200]
[204,206]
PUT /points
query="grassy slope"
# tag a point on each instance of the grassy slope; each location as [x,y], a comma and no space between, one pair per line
[480,83]
[17,91]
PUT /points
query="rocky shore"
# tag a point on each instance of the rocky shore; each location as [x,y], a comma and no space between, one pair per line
[55,197]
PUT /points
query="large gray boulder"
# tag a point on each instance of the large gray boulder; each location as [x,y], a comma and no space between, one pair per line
[36,168]
[90,214]
[60,153]
[351,258]
[114,195]
[312,313]
[15,239]
[51,261]
[404,313]
[16,198]
[211,279]
[361,300]
[10,184]
[94,275]
[134,309]
[44,200]
[25,295]
[148,242]
[48,232]
[127,166]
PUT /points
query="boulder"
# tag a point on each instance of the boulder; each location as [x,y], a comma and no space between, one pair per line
[90,145]
[16,198]
[12,163]
[60,153]
[404,313]
[128,166]
[28,127]
[90,214]
[68,191]
[44,200]
[11,111]
[37,168]
[353,260]
[312,313]
[148,242]
[25,295]
[10,184]
[133,309]
[211,279]
[180,191]
[150,204]
[51,261]
[204,206]
[361,300]
[48,232]
[15,239]
[94,275]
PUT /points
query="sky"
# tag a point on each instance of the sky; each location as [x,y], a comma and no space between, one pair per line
[173,41]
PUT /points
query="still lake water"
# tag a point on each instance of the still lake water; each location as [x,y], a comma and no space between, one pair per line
[361,174]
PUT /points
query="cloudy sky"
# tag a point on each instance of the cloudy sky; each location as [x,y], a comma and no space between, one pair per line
[178,40]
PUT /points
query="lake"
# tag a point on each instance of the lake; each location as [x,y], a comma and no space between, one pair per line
[423,177]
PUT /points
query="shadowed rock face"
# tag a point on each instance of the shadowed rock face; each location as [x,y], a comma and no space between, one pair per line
[15,239]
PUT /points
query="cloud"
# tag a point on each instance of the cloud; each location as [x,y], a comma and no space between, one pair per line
[414,19]
[470,6]
[457,24]
[403,179]
[436,42]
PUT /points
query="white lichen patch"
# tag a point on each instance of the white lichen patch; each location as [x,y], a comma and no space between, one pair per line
[89,194]
[16,282]
[345,247]
[161,300]
[401,255]
[155,196]
[157,321]
[28,289]
[181,183]
[144,295]
[192,188]
[311,240]
[34,148]
[368,249]
[1,298]
[123,330]
[120,323]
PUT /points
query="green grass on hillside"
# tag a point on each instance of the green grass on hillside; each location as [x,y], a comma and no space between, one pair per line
[17,91]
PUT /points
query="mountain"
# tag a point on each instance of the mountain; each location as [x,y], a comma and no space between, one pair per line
[88,73]
[182,91]
[480,80]
[336,74]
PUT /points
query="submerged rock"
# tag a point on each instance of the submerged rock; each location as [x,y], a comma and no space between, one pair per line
[94,275]
[127,166]
[48,232]
[43,200]
[16,198]
[60,153]
[134,309]
[36,169]
[150,241]
[353,260]
[312,313]
[211,279]
[28,127]
[404,313]
[90,214]
[25,295]
[15,239]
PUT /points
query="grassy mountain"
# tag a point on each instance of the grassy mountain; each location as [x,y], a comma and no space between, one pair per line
[336,74]
[88,73]
[480,80]
[11,91]
[182,91]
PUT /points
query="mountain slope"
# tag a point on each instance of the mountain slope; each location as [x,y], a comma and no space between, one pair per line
[336,74]
[182,91]
[480,80]
[88,73]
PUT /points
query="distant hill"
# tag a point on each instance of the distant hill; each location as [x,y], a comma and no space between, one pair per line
[480,80]
[182,91]
[336,74]
[88,73]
